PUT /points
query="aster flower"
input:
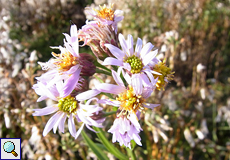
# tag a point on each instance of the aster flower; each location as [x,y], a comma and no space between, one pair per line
[106,15]
[124,129]
[135,62]
[131,101]
[166,73]
[64,66]
[96,36]
[69,107]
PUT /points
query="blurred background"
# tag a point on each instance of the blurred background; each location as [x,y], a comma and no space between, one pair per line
[193,121]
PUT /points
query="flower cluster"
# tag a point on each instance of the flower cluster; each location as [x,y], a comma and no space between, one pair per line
[138,74]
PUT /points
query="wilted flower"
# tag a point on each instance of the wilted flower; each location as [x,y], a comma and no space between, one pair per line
[106,15]
[166,73]
[69,107]
[96,36]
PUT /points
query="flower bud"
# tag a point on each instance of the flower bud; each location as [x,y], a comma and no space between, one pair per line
[86,61]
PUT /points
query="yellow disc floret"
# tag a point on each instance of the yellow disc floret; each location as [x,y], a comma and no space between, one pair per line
[65,60]
[68,104]
[106,12]
[166,74]
[130,102]
[135,63]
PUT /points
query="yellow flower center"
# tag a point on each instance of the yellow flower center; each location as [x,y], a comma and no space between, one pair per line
[65,60]
[165,71]
[106,12]
[135,63]
[68,104]
[130,102]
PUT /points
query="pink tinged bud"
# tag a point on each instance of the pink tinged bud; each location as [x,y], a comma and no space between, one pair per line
[86,61]
[96,35]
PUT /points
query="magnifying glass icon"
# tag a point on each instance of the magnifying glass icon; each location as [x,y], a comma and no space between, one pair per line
[9,147]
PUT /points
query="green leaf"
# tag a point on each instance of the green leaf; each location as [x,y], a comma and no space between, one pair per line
[110,147]
[101,155]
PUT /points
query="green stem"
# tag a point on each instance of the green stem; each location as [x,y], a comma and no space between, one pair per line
[96,63]
[109,113]
[131,154]
[102,71]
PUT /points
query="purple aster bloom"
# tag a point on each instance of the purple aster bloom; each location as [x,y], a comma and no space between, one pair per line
[131,101]
[63,67]
[106,15]
[68,106]
[135,62]
[125,129]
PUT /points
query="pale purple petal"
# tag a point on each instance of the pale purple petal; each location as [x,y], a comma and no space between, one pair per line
[109,102]
[119,54]
[127,66]
[117,78]
[71,126]
[45,111]
[146,49]
[51,122]
[79,131]
[127,77]
[110,88]
[61,125]
[149,74]
[137,84]
[87,94]
[157,73]
[73,31]
[71,83]
[138,46]
[151,106]
[130,45]
[149,57]
[118,19]
[112,61]
[61,114]
[123,43]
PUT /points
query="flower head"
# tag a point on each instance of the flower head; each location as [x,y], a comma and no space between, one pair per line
[124,130]
[131,101]
[69,107]
[166,74]
[65,66]
[96,36]
[135,62]
[106,15]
